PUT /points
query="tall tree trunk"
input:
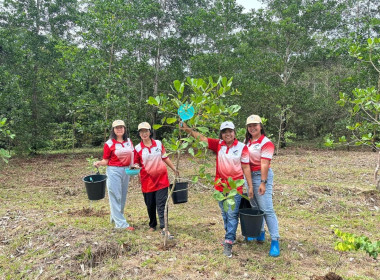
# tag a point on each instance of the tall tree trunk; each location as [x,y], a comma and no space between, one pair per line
[107,93]
[283,130]
[35,99]
[35,113]
[157,65]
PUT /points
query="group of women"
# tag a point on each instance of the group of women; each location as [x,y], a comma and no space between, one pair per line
[249,160]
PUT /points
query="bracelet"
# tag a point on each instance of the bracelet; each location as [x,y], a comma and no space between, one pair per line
[264,181]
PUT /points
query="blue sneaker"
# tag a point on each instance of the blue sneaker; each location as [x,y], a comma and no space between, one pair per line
[274,248]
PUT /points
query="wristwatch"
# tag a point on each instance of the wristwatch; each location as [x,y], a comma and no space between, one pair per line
[264,181]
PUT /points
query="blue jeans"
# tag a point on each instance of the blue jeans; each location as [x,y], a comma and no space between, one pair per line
[231,219]
[265,202]
[117,185]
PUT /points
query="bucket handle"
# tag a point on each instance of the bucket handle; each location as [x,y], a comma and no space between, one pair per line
[254,203]
[179,190]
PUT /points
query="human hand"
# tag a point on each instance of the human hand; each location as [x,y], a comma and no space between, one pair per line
[250,193]
[135,166]
[262,188]
[183,125]
[97,164]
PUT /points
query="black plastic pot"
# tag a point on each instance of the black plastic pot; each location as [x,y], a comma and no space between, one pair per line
[95,186]
[251,220]
[179,194]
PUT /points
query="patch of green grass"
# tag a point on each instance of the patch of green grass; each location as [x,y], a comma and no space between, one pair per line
[53,222]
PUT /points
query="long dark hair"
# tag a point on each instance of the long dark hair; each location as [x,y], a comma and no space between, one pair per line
[248,136]
[113,135]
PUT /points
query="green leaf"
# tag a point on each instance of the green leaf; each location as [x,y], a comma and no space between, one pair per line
[157,126]
[225,206]
[187,139]
[152,101]
[232,193]
[171,120]
[158,100]
[356,108]
[239,182]
[177,85]
[217,195]
[224,81]
[184,145]
[203,130]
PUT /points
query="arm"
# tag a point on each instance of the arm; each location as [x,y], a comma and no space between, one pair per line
[193,133]
[264,174]
[247,174]
[136,160]
[169,163]
[103,162]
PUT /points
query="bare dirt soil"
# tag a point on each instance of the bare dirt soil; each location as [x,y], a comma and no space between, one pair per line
[50,230]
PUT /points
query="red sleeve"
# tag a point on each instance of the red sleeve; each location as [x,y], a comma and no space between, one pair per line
[267,151]
[106,152]
[213,144]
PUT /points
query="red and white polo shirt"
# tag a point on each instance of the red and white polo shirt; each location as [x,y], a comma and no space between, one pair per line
[118,154]
[229,160]
[153,174]
[261,148]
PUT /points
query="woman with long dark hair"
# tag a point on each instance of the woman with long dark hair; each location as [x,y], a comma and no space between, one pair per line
[261,151]
[117,155]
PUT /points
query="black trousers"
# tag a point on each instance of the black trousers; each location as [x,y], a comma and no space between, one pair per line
[156,200]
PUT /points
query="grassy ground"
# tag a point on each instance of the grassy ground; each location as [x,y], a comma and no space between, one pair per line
[50,230]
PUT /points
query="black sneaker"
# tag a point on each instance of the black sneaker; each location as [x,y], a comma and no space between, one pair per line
[227,249]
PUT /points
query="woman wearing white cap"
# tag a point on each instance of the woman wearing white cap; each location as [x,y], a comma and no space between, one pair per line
[117,154]
[260,153]
[150,154]
[232,160]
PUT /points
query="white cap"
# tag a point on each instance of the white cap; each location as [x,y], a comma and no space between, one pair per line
[143,125]
[225,125]
[253,119]
[117,123]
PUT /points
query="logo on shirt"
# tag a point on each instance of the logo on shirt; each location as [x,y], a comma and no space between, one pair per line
[256,146]
[235,152]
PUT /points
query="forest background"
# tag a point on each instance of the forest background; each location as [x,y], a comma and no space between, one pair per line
[68,68]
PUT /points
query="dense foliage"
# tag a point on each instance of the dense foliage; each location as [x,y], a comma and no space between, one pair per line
[70,67]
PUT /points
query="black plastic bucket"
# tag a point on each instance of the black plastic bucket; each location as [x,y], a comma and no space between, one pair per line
[179,194]
[95,186]
[251,220]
